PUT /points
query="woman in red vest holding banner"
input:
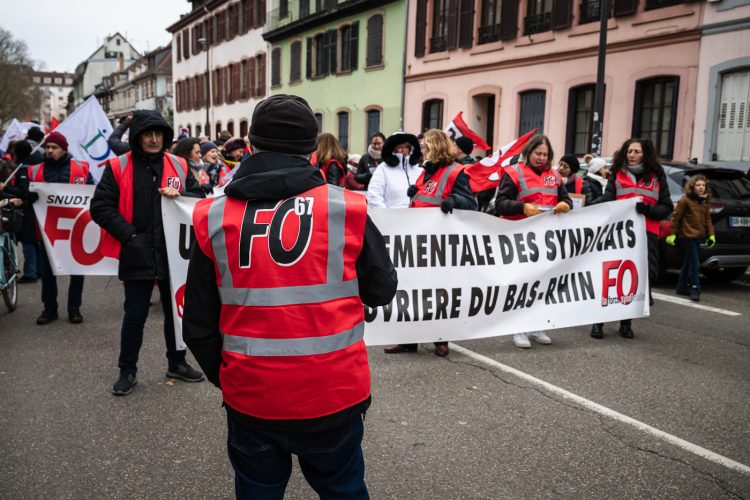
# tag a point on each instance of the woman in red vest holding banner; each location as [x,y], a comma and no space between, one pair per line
[530,188]
[636,173]
[443,183]
[331,158]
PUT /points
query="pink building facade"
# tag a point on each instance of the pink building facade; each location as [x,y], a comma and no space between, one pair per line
[722,108]
[514,65]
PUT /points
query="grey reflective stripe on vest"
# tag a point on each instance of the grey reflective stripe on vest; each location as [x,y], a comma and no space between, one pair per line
[524,189]
[647,193]
[123,159]
[334,288]
[181,173]
[294,347]
[437,197]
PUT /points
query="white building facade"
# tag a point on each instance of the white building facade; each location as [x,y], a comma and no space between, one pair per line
[55,89]
[221,38]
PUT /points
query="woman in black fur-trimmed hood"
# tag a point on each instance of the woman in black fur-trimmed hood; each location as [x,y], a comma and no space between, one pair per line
[399,169]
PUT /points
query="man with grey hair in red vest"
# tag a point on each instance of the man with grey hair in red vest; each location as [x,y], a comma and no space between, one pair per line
[282,265]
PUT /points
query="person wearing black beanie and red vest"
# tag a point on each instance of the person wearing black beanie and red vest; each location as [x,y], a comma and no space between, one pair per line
[278,275]
[127,205]
[568,168]
[58,166]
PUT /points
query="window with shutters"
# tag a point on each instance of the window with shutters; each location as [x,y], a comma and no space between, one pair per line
[420,30]
[208,29]
[321,60]
[465,26]
[185,43]
[331,50]
[655,111]
[349,47]
[489,28]
[217,87]
[373,123]
[260,72]
[283,8]
[319,119]
[538,17]
[251,77]
[236,77]
[439,38]
[733,131]
[276,67]
[249,10]
[375,41]
[343,119]
[221,26]
[432,114]
[178,44]
[532,111]
[260,13]
[295,70]
[244,94]
[234,21]
[304,8]
[580,120]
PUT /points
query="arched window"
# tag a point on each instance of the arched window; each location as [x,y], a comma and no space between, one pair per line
[243,128]
[655,112]
[532,111]
[373,123]
[343,118]
[432,114]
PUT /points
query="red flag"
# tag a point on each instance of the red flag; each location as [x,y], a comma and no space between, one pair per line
[486,173]
[458,128]
[53,123]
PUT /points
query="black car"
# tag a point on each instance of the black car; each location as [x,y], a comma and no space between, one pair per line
[730,213]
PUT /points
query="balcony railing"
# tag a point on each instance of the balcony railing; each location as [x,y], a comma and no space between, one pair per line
[658,4]
[489,34]
[537,23]
[438,44]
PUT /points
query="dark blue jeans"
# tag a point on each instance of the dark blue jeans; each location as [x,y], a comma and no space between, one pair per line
[32,265]
[691,267]
[331,460]
[137,303]
[49,286]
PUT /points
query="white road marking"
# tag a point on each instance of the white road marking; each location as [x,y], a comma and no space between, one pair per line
[603,410]
[690,303]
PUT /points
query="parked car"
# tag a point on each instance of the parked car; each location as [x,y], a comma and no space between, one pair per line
[730,213]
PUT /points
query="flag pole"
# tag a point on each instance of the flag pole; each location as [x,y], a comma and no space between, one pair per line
[598,124]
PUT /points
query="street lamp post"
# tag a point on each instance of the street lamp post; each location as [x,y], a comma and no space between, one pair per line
[204,44]
[599,92]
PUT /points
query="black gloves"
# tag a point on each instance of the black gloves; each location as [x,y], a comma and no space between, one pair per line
[642,208]
[411,191]
[32,197]
[448,205]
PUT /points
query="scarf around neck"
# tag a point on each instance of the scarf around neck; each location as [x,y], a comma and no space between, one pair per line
[598,178]
[375,154]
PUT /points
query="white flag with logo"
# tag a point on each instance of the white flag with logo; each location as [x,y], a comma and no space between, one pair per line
[87,130]
[16,132]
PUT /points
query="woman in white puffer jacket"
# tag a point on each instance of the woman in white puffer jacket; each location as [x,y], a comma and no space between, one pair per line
[398,170]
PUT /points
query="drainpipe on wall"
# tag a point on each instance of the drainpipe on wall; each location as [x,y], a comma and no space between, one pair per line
[403,71]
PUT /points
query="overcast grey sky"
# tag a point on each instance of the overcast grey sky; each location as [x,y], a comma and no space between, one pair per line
[62,33]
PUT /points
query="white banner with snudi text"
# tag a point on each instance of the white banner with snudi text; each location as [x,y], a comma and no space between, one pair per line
[71,238]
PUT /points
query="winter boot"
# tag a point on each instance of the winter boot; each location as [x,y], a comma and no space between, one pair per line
[695,294]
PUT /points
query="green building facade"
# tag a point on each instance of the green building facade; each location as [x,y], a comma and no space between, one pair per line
[346,59]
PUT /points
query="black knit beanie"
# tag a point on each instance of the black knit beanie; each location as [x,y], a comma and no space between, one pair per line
[572,162]
[285,124]
[465,144]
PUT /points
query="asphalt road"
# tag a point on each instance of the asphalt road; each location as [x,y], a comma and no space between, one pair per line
[449,428]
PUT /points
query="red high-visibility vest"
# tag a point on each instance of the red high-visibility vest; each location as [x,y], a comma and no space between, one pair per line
[174,174]
[432,192]
[646,188]
[538,189]
[79,172]
[579,185]
[324,171]
[291,317]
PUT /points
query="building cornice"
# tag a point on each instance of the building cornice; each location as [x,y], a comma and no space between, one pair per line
[333,13]
[691,35]
[195,15]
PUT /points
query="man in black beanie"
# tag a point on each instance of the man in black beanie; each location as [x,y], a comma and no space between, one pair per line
[282,332]
[464,147]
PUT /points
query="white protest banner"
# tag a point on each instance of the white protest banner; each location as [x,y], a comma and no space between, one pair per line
[16,131]
[178,233]
[87,130]
[71,238]
[470,275]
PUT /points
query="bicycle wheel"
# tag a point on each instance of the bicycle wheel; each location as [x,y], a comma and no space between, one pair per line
[10,266]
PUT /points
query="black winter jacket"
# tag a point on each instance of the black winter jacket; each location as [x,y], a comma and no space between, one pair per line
[275,176]
[144,253]
[593,191]
[366,166]
[115,142]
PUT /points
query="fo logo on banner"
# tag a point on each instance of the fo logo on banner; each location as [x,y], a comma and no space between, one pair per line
[616,273]
[174,182]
